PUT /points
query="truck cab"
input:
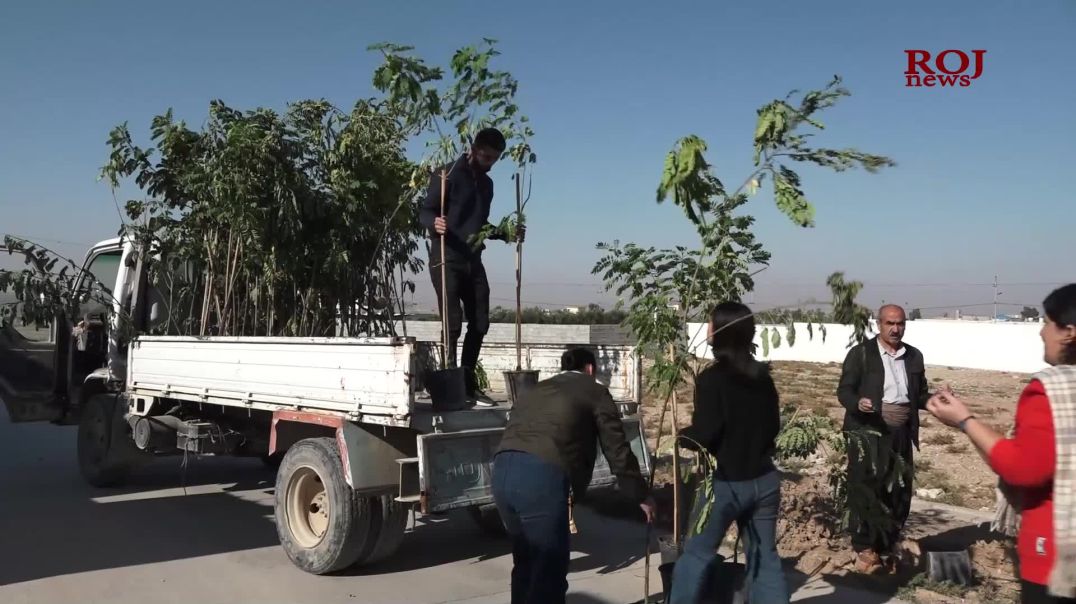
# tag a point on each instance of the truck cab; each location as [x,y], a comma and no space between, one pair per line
[48,370]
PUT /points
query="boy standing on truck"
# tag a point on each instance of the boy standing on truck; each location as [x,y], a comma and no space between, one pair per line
[468,196]
[547,451]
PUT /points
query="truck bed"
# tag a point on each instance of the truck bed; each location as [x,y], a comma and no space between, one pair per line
[372,380]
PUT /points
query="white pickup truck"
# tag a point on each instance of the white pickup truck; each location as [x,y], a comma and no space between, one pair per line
[347,420]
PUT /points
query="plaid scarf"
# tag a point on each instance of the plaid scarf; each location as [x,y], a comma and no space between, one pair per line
[1060,385]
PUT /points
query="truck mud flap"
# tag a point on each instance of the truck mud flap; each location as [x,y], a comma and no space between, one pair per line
[456,468]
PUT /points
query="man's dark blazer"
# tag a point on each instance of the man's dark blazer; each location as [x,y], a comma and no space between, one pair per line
[863,376]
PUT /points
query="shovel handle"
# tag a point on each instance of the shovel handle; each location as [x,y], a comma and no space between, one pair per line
[444,284]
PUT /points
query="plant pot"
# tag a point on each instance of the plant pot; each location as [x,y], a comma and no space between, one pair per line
[670,552]
[448,389]
[666,572]
[724,582]
[952,566]
[518,382]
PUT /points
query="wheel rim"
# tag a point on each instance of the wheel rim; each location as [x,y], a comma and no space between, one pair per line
[307,507]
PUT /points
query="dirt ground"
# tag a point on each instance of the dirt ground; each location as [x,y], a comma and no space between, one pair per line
[948,471]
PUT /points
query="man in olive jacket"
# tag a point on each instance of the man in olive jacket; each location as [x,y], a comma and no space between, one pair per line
[547,451]
[883,387]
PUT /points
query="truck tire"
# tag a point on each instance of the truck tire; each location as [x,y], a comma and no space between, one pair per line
[488,519]
[393,527]
[105,449]
[323,526]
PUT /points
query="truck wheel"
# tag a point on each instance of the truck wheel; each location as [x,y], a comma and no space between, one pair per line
[488,519]
[104,458]
[393,526]
[323,526]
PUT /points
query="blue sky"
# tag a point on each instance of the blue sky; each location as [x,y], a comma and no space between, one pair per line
[979,188]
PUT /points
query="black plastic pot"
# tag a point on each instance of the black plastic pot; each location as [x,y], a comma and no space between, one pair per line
[666,571]
[448,389]
[518,382]
[725,583]
[952,566]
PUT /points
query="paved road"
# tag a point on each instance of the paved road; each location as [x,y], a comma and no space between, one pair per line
[63,541]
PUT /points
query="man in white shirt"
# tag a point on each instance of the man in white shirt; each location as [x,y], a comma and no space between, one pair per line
[883,387]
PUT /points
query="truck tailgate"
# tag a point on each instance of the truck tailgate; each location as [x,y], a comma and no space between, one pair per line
[456,468]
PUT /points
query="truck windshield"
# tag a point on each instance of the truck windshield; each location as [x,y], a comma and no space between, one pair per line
[104,269]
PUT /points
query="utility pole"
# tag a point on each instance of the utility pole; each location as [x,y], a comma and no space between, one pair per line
[996,294]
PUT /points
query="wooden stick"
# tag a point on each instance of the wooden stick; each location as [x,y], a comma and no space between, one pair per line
[519,281]
[676,460]
[444,284]
[646,566]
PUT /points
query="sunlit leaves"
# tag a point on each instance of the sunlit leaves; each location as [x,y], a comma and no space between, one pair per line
[778,136]
[790,199]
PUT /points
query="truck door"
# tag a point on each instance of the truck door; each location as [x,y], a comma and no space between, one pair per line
[34,355]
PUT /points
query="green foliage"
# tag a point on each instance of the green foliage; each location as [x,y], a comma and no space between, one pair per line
[50,286]
[845,308]
[858,499]
[945,588]
[590,315]
[260,223]
[778,136]
[783,316]
[666,288]
[802,434]
[481,377]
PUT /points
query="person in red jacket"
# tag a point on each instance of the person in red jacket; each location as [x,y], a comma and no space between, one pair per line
[1037,463]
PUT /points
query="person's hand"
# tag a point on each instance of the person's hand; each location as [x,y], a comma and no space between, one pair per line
[949,409]
[865,405]
[650,509]
[439,225]
[521,233]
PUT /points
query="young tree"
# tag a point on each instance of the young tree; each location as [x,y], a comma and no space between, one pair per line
[666,289]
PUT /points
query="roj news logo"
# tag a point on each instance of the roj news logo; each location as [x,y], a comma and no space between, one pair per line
[947,68]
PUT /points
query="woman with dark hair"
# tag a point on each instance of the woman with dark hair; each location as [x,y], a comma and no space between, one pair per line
[1036,464]
[736,419]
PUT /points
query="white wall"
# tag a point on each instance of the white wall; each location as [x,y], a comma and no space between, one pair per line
[1002,346]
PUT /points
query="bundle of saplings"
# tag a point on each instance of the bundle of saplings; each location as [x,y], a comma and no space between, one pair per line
[261,223]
